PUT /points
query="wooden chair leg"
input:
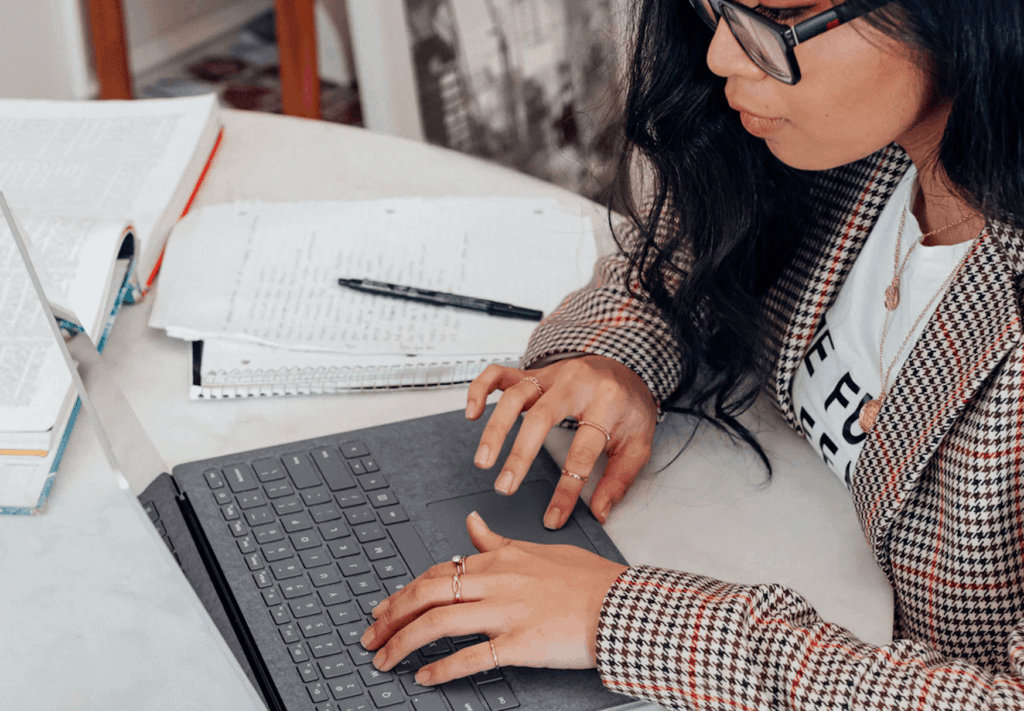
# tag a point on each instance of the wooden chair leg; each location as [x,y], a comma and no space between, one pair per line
[111,49]
[296,44]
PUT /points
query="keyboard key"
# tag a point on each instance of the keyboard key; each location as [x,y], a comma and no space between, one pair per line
[314,626]
[372,482]
[254,561]
[356,516]
[286,569]
[437,648]
[487,676]
[324,647]
[268,533]
[389,569]
[428,702]
[271,596]
[314,557]
[345,688]
[317,692]
[222,496]
[393,514]
[297,652]
[334,594]
[251,499]
[464,640]
[351,634]
[384,497]
[301,470]
[325,512]
[357,467]
[373,677]
[278,489]
[369,532]
[344,614]
[240,478]
[499,696]
[262,579]
[368,602]
[280,614]
[334,472]
[386,695]
[360,656]
[370,464]
[363,584]
[325,576]
[316,496]
[359,703]
[331,531]
[308,672]
[229,512]
[289,633]
[238,528]
[268,470]
[412,688]
[354,449]
[304,608]
[302,541]
[395,584]
[350,498]
[296,588]
[412,663]
[379,551]
[259,517]
[213,479]
[277,551]
[461,696]
[246,544]
[344,548]
[288,505]
[333,667]
[354,565]
[296,522]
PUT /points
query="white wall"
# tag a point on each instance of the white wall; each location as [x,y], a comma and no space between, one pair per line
[43,50]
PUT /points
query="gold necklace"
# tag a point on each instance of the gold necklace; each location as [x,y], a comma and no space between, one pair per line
[892,292]
[869,412]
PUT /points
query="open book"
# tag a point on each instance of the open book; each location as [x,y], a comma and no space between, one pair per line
[96,187]
[264,298]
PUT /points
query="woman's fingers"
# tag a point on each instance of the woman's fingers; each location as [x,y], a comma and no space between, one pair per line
[494,377]
[471,660]
[584,451]
[619,475]
[517,397]
[438,622]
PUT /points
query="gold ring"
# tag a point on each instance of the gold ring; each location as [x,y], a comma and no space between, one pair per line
[536,384]
[460,564]
[494,654]
[577,477]
[457,588]
[588,423]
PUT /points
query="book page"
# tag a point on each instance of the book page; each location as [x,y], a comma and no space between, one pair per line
[268,273]
[76,257]
[120,160]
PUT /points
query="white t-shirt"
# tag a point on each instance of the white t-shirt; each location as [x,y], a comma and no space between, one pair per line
[840,371]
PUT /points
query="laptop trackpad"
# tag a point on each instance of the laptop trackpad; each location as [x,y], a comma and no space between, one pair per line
[519,516]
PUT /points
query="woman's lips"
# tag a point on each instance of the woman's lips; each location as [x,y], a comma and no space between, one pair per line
[760,126]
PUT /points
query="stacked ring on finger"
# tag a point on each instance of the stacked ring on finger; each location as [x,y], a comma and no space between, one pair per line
[577,477]
[536,384]
[588,423]
[494,654]
[460,569]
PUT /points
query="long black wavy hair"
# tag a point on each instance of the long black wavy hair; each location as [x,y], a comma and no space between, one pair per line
[721,214]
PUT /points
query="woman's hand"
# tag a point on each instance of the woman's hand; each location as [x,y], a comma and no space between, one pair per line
[539,605]
[590,388]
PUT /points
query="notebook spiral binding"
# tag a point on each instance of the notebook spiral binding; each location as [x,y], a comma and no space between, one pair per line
[326,381]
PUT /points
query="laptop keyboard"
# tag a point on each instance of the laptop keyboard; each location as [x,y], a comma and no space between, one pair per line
[319,531]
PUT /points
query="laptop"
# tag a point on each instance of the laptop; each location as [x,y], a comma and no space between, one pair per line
[290,547]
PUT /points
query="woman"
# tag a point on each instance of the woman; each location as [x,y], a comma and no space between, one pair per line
[839,225]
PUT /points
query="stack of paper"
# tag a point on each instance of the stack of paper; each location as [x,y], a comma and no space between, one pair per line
[258,285]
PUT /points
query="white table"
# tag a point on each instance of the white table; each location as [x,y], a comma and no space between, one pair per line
[709,512]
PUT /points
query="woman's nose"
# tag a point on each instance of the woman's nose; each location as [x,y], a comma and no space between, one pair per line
[726,57]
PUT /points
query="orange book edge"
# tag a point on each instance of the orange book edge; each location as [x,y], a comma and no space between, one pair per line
[188,206]
[23,452]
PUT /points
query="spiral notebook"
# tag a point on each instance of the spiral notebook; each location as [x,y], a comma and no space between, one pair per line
[254,287]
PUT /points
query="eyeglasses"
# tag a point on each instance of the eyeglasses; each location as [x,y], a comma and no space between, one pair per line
[768,43]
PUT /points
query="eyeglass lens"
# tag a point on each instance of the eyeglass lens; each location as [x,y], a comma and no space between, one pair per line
[760,43]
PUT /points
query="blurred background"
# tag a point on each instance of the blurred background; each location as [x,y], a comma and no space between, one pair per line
[532,84]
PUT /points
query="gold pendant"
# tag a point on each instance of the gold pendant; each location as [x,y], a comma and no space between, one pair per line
[892,295]
[868,413]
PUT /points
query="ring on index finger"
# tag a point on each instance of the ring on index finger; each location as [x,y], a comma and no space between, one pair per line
[536,384]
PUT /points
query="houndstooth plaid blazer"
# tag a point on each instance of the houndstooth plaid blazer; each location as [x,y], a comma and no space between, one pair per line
[938,488]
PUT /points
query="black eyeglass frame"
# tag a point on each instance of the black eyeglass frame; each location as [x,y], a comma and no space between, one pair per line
[788,37]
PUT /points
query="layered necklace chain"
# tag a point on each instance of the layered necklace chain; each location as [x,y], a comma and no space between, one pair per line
[869,412]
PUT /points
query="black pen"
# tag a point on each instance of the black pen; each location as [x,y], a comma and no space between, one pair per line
[440,298]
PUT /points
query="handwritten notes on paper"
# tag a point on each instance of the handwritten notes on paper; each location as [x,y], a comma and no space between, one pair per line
[267,273]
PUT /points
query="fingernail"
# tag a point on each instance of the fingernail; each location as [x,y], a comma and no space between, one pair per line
[477,516]
[504,483]
[379,610]
[368,636]
[553,518]
[380,659]
[602,514]
[470,409]
[483,456]
[423,677]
